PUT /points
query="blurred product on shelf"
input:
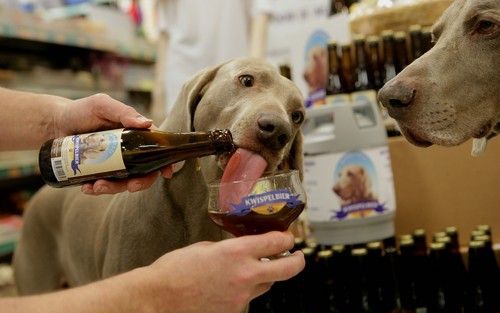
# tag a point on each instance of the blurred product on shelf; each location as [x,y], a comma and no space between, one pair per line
[372,17]
[335,88]
[372,277]
[376,61]
[10,230]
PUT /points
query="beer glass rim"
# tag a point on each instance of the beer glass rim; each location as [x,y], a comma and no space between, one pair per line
[266,176]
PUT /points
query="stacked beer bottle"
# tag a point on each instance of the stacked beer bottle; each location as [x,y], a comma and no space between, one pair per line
[359,69]
[417,276]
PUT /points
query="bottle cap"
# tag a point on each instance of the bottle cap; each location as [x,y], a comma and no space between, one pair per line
[357,38]
[359,252]
[345,46]
[477,244]
[484,227]
[415,28]
[374,245]
[419,232]
[445,240]
[400,36]
[373,40]
[439,234]
[407,242]
[338,248]
[484,238]
[325,254]
[308,251]
[405,237]
[437,246]
[451,230]
[387,33]
[477,232]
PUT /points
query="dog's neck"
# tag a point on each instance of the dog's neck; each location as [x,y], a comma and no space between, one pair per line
[187,190]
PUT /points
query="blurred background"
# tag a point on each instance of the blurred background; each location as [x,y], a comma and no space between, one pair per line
[338,52]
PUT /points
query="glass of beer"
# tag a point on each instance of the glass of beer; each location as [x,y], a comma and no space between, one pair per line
[250,207]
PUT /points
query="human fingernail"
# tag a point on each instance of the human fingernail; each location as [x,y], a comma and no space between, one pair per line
[87,190]
[141,117]
[101,189]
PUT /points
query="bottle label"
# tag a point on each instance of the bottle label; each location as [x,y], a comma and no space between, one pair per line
[350,185]
[266,203]
[87,154]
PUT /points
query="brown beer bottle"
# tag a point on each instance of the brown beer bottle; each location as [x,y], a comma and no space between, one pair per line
[426,39]
[375,61]
[416,41]
[389,66]
[121,153]
[346,79]
[484,287]
[401,51]
[420,238]
[333,86]
[362,71]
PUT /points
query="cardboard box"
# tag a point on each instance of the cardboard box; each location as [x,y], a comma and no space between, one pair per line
[445,186]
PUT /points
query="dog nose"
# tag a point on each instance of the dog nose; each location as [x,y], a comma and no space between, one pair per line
[396,95]
[336,189]
[274,132]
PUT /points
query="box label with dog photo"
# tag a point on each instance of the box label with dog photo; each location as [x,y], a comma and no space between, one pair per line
[349,185]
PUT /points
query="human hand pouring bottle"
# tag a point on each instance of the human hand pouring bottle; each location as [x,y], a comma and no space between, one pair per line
[122,153]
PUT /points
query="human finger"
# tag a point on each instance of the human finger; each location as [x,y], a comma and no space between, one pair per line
[115,111]
[282,268]
[261,289]
[143,182]
[167,171]
[268,244]
[102,186]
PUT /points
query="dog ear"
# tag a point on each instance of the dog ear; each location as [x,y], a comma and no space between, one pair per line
[180,119]
[296,154]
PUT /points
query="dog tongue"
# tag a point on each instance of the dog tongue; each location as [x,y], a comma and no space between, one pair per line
[244,165]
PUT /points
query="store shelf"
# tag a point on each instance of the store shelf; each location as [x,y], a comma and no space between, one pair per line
[18,168]
[72,33]
[10,230]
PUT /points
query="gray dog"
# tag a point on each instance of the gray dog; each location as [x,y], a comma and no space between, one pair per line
[452,92]
[75,238]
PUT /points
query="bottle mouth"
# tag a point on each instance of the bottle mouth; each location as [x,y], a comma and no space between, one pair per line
[223,140]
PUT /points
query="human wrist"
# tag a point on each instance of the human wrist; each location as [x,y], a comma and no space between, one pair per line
[144,288]
[52,127]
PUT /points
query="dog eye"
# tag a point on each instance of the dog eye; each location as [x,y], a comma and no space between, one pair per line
[485,27]
[246,80]
[297,117]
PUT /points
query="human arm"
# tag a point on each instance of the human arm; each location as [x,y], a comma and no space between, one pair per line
[28,120]
[220,277]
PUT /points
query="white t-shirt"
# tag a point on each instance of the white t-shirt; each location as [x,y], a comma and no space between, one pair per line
[204,33]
